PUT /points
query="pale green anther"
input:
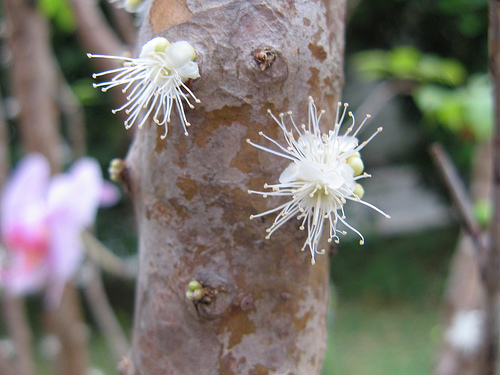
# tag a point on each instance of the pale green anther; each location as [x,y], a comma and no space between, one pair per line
[195,285]
[357,164]
[132,4]
[189,295]
[358,190]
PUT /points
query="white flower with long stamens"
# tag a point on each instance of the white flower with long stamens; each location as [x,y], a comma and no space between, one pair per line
[154,82]
[323,175]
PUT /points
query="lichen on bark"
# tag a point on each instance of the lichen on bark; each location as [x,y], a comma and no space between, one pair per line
[268,305]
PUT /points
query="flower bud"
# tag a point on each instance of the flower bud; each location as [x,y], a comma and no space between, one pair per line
[155,45]
[358,190]
[357,164]
[115,169]
[132,5]
[195,285]
[180,53]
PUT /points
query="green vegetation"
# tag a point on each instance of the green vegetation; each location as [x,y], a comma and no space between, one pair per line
[386,304]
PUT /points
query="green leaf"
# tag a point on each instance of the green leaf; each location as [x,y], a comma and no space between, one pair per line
[453,72]
[60,12]
[403,61]
[478,106]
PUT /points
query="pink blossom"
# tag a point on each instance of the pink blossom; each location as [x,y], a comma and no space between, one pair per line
[41,219]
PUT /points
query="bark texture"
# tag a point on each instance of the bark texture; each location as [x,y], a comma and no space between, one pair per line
[265,305]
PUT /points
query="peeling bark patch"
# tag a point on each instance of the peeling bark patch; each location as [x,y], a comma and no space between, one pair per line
[238,325]
[180,210]
[313,81]
[243,200]
[259,370]
[159,212]
[301,323]
[229,366]
[224,116]
[318,52]
[189,187]
[246,160]
[168,13]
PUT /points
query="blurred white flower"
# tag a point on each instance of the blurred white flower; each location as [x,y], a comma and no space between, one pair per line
[321,177]
[131,6]
[154,81]
[465,332]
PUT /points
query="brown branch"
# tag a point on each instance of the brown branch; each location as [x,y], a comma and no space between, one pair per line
[97,37]
[6,367]
[458,195]
[33,79]
[104,315]
[65,322]
[95,33]
[125,23]
[72,112]
[108,261]
[13,309]
[381,94]
[4,146]
[491,259]
[17,325]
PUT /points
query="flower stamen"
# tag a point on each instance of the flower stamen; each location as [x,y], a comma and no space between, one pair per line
[321,177]
[156,79]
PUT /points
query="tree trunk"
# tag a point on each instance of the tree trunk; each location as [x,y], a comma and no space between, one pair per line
[265,306]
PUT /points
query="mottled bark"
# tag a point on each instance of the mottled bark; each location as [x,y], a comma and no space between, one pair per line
[267,305]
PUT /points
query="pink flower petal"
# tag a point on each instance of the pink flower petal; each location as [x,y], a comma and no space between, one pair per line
[110,194]
[22,276]
[26,187]
[66,250]
[77,192]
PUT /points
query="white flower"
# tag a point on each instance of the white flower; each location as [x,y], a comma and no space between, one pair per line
[465,332]
[154,81]
[321,177]
[131,6]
